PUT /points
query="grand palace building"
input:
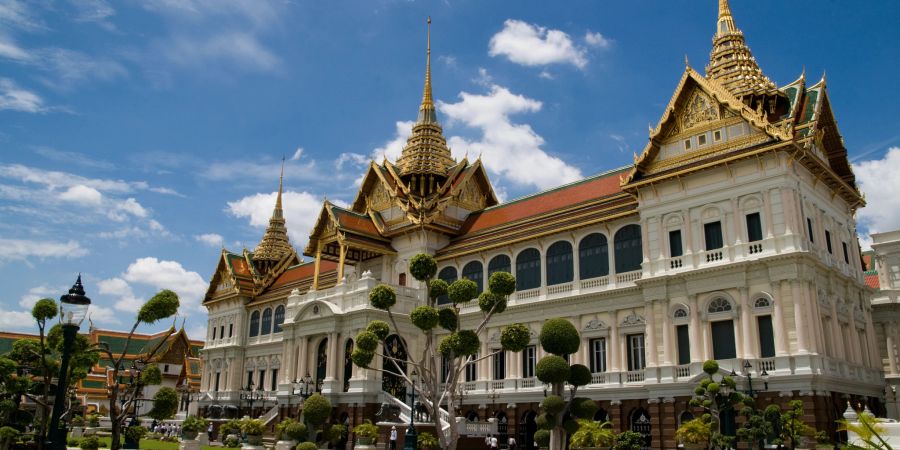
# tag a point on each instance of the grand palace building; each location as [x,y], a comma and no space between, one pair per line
[731,237]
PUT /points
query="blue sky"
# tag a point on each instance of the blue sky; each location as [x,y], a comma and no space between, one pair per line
[138,138]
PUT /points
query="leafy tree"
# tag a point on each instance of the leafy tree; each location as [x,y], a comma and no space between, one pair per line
[560,338]
[444,337]
[316,411]
[165,404]
[793,428]
[716,396]
[757,427]
[162,305]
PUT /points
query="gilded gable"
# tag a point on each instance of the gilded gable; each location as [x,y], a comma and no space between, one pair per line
[700,110]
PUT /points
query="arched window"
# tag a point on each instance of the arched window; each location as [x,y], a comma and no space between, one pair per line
[394,362]
[679,313]
[279,318]
[762,302]
[559,263]
[266,322]
[254,324]
[474,271]
[499,263]
[628,249]
[718,305]
[593,256]
[528,269]
[321,363]
[448,274]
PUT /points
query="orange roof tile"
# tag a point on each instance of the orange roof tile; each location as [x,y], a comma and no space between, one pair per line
[581,191]
[872,281]
[867,260]
[306,270]
[239,264]
[355,222]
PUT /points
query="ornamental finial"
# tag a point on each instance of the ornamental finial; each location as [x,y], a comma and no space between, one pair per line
[427,100]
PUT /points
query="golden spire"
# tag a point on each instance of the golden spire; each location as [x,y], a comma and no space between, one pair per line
[731,63]
[275,242]
[426,152]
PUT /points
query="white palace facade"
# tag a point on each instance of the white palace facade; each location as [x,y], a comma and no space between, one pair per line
[731,237]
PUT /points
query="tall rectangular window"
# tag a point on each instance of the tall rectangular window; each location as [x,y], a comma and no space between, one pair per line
[472,370]
[230,329]
[445,369]
[723,340]
[636,356]
[828,241]
[766,337]
[675,249]
[499,360]
[684,344]
[598,355]
[261,384]
[528,361]
[754,227]
[809,228]
[274,382]
[214,333]
[222,332]
[846,253]
[249,379]
[218,375]
[713,233]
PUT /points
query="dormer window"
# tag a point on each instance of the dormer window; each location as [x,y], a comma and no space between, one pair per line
[717,136]
[701,140]
[687,144]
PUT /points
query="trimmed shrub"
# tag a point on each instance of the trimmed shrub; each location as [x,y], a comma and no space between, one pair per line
[710,366]
[559,337]
[422,267]
[462,290]
[316,410]
[515,337]
[552,369]
[542,437]
[580,375]
[361,357]
[502,283]
[424,317]
[438,288]
[382,297]
[488,301]
[89,443]
[464,342]
[380,328]
[367,341]
[448,319]
[553,404]
[583,408]
[307,446]
[545,421]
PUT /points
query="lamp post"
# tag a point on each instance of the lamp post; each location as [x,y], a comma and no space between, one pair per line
[251,396]
[493,395]
[302,387]
[187,396]
[73,308]
[409,441]
[747,371]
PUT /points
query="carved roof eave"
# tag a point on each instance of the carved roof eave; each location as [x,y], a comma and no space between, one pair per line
[214,281]
[403,189]
[319,228]
[288,260]
[781,131]
[801,89]
[478,169]
[359,203]
[320,237]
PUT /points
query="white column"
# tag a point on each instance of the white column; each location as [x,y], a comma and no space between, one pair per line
[614,352]
[287,351]
[668,352]
[302,358]
[871,339]
[650,318]
[799,320]
[694,331]
[576,265]
[687,232]
[332,363]
[811,315]
[746,325]
[778,325]
[889,337]
[836,332]
[769,218]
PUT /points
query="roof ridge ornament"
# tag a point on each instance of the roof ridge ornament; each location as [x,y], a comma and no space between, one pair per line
[731,63]
[275,243]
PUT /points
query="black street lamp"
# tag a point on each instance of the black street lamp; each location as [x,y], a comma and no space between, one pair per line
[302,387]
[187,396]
[251,396]
[411,438]
[747,371]
[73,308]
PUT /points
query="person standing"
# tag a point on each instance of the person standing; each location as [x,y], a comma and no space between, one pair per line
[393,438]
[495,445]
[209,431]
[511,443]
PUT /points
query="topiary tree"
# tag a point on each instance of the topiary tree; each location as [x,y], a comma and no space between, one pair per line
[444,337]
[316,411]
[560,338]
[715,396]
[165,404]
[161,306]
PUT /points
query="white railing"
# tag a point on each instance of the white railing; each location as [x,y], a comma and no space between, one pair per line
[527,294]
[628,277]
[559,288]
[591,283]
[467,428]
[634,376]
[598,378]
[713,256]
[767,364]
[676,263]
[683,371]
[270,415]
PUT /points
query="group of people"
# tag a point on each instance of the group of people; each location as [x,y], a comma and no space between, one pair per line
[167,429]
[493,443]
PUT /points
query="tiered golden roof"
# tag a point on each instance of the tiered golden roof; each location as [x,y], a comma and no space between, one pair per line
[426,151]
[275,243]
[731,63]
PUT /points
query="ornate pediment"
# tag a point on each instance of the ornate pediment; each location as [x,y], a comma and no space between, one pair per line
[699,110]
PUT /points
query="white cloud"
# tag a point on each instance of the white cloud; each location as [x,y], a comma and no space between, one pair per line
[82,194]
[73,158]
[67,68]
[197,331]
[301,209]
[510,149]
[878,179]
[355,159]
[14,98]
[394,147]
[265,171]
[545,74]
[16,14]
[210,239]
[236,49]
[103,314]
[595,39]
[532,45]
[9,50]
[16,320]
[38,292]
[56,179]
[484,78]
[22,249]
[158,274]
[297,154]
[131,206]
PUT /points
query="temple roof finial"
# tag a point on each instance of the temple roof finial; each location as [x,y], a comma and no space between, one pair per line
[275,242]
[426,110]
[731,63]
[280,183]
